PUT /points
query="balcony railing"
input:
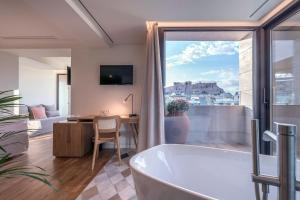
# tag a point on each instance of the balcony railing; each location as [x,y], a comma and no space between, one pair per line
[215,125]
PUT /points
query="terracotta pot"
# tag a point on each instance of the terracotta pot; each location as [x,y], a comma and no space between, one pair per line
[177,128]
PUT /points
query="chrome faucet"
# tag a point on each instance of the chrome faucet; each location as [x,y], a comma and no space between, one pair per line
[286,143]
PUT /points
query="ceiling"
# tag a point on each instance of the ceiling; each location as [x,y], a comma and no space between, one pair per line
[57,59]
[124,20]
[54,24]
[56,65]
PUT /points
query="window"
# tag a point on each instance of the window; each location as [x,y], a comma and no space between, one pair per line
[208,88]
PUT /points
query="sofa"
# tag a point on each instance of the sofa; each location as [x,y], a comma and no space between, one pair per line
[15,143]
[42,125]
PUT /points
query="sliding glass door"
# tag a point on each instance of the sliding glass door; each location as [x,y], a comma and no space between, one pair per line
[208,88]
[285,72]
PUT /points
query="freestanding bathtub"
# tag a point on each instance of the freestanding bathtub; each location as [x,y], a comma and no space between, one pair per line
[186,172]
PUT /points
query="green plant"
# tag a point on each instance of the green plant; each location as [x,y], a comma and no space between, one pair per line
[9,168]
[177,106]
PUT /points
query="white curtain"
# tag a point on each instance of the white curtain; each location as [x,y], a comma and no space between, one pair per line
[151,131]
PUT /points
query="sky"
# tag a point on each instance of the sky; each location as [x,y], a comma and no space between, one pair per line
[204,61]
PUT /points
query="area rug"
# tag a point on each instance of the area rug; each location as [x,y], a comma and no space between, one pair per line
[113,182]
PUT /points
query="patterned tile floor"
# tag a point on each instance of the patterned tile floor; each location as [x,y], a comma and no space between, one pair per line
[113,182]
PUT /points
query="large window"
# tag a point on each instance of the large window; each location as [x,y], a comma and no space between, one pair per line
[208,88]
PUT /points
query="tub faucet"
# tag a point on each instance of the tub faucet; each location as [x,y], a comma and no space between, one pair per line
[269,136]
[286,143]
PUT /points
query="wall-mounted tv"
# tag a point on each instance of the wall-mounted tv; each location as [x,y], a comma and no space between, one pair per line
[116,74]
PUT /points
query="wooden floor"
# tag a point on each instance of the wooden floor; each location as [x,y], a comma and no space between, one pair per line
[69,175]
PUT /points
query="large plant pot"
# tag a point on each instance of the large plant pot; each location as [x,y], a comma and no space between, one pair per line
[177,128]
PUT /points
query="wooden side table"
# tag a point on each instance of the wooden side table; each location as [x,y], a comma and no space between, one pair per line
[72,139]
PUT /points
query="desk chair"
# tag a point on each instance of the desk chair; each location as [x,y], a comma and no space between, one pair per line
[107,129]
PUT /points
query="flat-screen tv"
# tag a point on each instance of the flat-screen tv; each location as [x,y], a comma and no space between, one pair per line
[116,74]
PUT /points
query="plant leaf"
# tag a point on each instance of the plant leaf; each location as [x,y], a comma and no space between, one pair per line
[7,102]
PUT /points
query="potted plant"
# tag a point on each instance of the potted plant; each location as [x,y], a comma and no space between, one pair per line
[9,168]
[177,123]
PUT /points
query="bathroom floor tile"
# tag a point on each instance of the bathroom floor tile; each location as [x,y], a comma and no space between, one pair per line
[113,182]
[116,197]
[127,193]
[116,178]
[121,185]
[89,193]
[107,193]
[126,172]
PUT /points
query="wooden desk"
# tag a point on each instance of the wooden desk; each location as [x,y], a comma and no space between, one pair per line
[124,119]
[72,139]
[133,123]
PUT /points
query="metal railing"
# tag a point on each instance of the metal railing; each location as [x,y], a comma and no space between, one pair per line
[286,181]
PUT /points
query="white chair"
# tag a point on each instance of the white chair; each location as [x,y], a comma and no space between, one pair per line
[107,129]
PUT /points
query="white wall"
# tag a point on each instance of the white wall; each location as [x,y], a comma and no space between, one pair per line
[9,71]
[37,85]
[245,72]
[88,97]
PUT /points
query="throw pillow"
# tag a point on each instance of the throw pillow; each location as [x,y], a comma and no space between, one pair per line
[38,112]
[54,113]
[30,110]
[50,107]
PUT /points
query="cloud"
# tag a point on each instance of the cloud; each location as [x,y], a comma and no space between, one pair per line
[225,78]
[231,86]
[220,73]
[201,49]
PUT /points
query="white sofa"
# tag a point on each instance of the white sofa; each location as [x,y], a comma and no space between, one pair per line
[15,143]
[42,126]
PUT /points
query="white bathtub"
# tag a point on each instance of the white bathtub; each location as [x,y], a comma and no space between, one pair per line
[186,172]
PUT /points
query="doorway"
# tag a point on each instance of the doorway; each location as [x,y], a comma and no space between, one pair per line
[63,95]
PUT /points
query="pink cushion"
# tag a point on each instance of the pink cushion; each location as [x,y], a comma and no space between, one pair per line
[38,112]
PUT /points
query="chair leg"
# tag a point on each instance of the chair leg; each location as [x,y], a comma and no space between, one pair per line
[97,151]
[94,155]
[118,147]
[115,145]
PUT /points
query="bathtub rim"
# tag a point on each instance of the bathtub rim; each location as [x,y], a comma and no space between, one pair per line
[133,167]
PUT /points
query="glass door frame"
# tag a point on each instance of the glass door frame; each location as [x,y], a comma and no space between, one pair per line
[262,65]
[266,86]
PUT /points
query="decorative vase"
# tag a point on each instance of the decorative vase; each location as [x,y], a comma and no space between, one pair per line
[177,127]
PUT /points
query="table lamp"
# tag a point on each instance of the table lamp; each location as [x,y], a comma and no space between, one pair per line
[126,99]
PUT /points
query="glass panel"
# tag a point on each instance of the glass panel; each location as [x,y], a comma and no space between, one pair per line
[208,88]
[286,72]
